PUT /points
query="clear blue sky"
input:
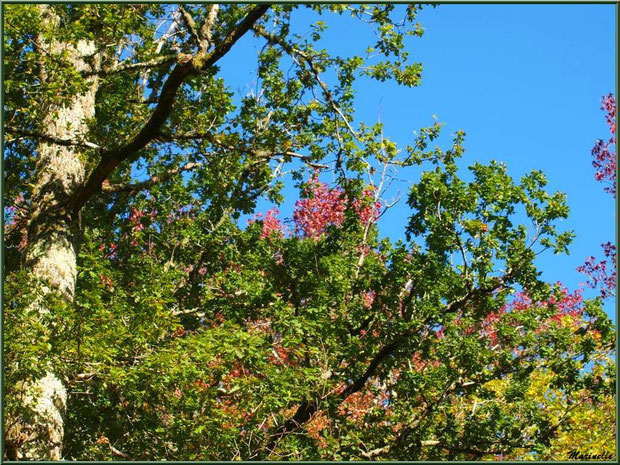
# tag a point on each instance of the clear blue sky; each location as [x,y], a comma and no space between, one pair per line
[524,82]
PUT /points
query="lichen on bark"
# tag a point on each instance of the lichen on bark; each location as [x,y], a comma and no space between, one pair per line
[36,433]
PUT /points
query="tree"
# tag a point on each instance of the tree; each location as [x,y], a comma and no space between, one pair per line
[143,320]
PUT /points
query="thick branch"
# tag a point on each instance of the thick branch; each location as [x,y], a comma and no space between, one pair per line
[385,352]
[184,68]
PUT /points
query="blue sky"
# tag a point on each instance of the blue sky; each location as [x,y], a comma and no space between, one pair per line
[523,81]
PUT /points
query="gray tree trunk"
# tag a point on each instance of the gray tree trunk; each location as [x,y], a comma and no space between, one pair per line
[51,253]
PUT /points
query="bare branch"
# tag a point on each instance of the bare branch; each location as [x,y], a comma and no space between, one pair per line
[305,158]
[376,452]
[169,33]
[135,187]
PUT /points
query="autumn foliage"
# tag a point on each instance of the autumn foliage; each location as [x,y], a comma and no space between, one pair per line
[602,274]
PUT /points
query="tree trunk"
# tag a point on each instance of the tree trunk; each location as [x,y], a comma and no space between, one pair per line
[51,254]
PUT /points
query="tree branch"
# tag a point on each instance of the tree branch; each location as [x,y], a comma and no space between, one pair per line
[184,68]
[191,25]
[51,139]
[305,158]
[206,31]
[138,186]
[159,61]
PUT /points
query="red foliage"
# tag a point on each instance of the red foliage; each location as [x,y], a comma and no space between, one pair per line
[420,365]
[111,253]
[106,281]
[600,275]
[318,423]
[358,404]
[326,207]
[564,303]
[367,210]
[136,219]
[271,224]
[368,298]
[569,308]
[16,221]
[179,332]
[604,153]
[280,355]
[323,208]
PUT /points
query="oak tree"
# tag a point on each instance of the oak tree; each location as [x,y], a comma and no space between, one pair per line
[147,319]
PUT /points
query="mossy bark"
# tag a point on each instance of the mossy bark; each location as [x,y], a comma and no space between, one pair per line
[51,253]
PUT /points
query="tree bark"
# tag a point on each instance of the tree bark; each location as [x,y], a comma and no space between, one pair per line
[51,253]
